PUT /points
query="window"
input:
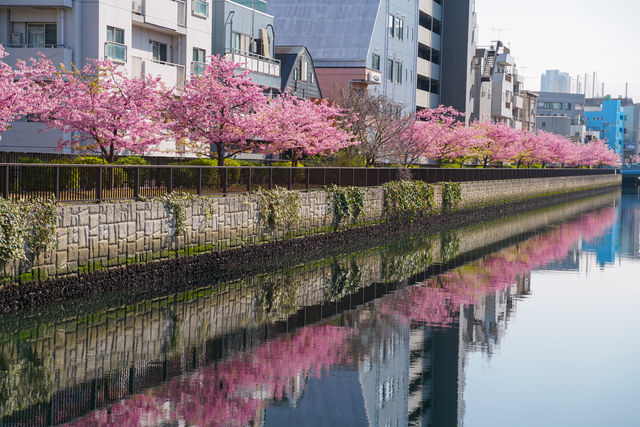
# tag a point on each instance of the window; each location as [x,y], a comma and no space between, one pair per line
[116,50]
[389,70]
[200,8]
[296,74]
[544,124]
[159,52]
[398,72]
[42,35]
[391,24]
[199,60]
[305,70]
[399,28]
[375,62]
[241,42]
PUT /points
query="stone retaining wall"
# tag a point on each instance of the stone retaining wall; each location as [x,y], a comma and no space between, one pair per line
[110,233]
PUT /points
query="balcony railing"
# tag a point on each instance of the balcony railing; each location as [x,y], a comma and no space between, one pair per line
[139,7]
[254,62]
[198,67]
[259,5]
[173,75]
[115,51]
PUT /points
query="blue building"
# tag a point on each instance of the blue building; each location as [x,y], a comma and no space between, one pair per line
[609,120]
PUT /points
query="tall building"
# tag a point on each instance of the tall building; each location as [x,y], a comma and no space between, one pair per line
[609,121]
[370,44]
[458,50]
[555,81]
[167,38]
[498,94]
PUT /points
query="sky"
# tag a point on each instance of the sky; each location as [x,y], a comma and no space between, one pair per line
[575,36]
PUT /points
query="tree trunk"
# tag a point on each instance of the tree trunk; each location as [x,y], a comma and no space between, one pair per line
[294,159]
[220,150]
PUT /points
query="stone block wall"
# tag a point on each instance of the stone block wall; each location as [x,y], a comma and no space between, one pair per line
[110,233]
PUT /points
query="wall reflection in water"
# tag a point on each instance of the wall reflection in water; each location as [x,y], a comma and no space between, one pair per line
[378,337]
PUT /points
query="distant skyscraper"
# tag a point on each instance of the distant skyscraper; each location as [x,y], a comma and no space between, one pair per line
[555,81]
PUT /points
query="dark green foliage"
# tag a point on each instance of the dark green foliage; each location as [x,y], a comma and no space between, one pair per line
[451,195]
[407,196]
[347,202]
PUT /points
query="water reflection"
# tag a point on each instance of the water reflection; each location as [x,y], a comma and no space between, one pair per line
[377,337]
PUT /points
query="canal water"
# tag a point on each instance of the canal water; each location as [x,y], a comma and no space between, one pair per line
[528,321]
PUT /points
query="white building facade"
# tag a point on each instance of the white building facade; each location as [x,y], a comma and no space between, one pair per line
[168,38]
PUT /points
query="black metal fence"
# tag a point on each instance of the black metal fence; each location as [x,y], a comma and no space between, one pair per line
[73,183]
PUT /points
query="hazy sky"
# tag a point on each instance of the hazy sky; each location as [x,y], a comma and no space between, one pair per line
[576,36]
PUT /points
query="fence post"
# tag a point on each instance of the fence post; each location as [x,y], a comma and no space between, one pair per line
[339,177]
[136,187]
[57,194]
[249,183]
[270,178]
[290,178]
[324,178]
[99,192]
[6,182]
[170,189]
[308,179]
[226,181]
[353,177]
[199,181]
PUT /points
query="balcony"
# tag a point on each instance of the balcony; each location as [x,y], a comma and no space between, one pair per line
[518,102]
[161,13]
[58,54]
[173,75]
[259,5]
[505,59]
[254,62]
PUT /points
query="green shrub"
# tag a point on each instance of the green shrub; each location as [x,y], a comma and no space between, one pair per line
[407,196]
[130,173]
[26,227]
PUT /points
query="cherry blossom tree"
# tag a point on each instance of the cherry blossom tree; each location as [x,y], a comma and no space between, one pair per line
[435,133]
[494,142]
[302,127]
[215,108]
[103,110]
[19,88]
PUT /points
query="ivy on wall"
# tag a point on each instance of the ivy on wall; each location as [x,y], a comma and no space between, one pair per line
[451,195]
[279,206]
[407,196]
[347,202]
[27,228]
[177,204]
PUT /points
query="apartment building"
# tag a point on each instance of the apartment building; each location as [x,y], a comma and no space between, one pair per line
[368,44]
[167,38]
[498,92]
[244,32]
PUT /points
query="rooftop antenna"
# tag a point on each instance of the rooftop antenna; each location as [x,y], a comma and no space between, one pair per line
[500,30]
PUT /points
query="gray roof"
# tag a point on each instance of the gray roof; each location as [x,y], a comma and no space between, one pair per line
[332,30]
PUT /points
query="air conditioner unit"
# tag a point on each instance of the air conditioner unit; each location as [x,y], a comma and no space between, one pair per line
[373,77]
[16,38]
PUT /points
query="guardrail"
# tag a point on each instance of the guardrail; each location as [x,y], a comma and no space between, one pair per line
[76,183]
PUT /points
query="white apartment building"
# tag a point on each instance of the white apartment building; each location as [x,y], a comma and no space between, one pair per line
[499,95]
[169,38]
